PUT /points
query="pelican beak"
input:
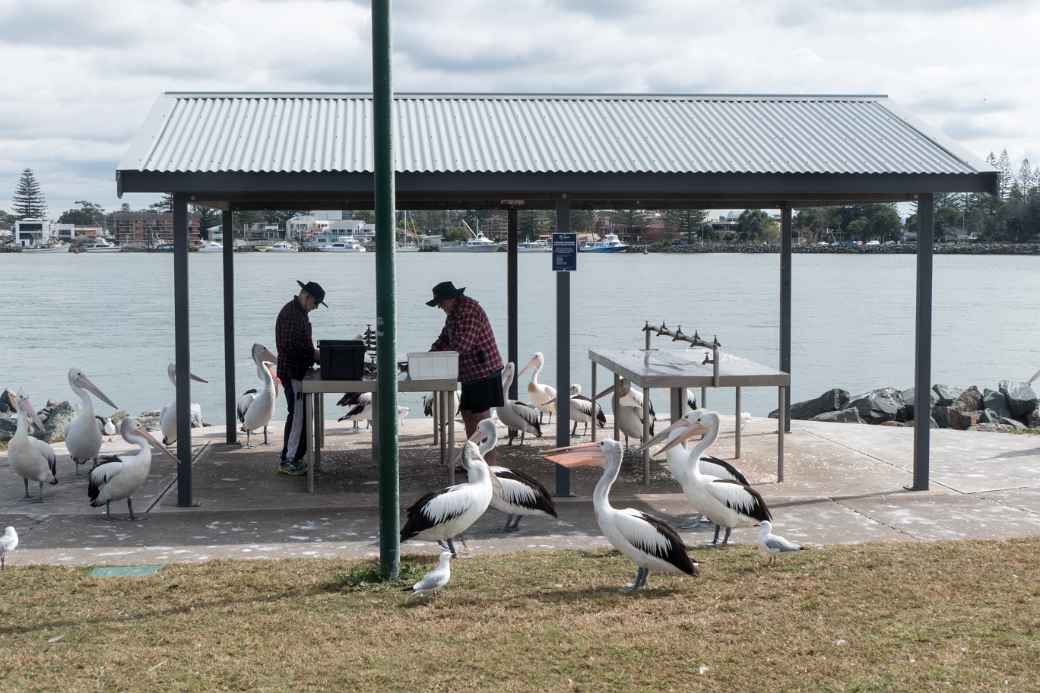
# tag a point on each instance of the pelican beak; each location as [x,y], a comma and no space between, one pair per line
[460,459]
[197,378]
[530,364]
[549,402]
[262,353]
[156,444]
[585,455]
[86,384]
[27,407]
[686,431]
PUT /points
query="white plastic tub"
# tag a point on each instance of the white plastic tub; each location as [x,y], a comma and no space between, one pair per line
[433,365]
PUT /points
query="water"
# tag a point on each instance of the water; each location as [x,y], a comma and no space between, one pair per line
[112,315]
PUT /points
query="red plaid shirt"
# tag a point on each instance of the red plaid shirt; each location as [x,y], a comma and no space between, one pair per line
[292,332]
[467,330]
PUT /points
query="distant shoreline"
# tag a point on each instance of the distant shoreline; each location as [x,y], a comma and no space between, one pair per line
[895,249]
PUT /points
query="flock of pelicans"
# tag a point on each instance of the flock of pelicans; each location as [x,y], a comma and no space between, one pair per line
[712,486]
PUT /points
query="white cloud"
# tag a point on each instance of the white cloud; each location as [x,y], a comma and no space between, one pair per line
[81,76]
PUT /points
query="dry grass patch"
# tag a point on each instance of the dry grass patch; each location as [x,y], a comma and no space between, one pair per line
[943,616]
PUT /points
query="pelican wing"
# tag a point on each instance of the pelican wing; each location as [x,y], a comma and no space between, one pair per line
[242,405]
[427,405]
[524,491]
[655,537]
[721,469]
[435,508]
[740,497]
[582,404]
[47,452]
[529,414]
[101,475]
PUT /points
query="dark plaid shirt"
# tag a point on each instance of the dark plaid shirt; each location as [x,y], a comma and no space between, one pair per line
[292,332]
[467,330]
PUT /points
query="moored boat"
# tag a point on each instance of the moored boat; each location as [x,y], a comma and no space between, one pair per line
[610,243]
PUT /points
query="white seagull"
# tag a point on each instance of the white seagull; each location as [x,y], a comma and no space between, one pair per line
[516,415]
[726,502]
[168,417]
[543,396]
[105,426]
[443,515]
[584,410]
[31,458]
[8,543]
[360,408]
[435,580]
[770,544]
[650,542]
[516,494]
[121,478]
[83,436]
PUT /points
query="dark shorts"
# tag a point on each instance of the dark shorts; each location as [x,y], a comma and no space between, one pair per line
[481,395]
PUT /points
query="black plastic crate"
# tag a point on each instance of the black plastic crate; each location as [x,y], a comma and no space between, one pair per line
[342,359]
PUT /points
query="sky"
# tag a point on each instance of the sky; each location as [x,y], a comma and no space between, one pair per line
[79,77]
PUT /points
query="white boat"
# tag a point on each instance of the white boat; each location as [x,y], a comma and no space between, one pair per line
[344,244]
[283,247]
[43,249]
[539,246]
[478,244]
[211,247]
[610,243]
[99,245]
[407,248]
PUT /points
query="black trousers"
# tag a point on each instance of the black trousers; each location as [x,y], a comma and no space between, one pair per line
[295,445]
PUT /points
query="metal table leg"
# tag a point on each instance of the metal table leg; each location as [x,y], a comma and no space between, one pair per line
[615,398]
[678,404]
[646,436]
[450,396]
[594,404]
[704,398]
[781,424]
[436,420]
[375,432]
[737,436]
[311,438]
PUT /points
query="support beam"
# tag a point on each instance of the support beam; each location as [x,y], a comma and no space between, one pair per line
[386,304]
[182,352]
[563,353]
[512,300]
[785,307]
[229,327]
[923,342]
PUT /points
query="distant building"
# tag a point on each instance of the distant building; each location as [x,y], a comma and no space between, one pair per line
[305,227]
[148,228]
[354,228]
[261,232]
[30,233]
[70,232]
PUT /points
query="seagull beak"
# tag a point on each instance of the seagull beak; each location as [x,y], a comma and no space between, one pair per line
[585,455]
[86,384]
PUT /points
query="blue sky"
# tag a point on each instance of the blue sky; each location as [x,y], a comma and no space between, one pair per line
[81,76]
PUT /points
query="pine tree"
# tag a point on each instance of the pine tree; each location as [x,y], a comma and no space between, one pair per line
[165,204]
[28,198]
[1025,177]
[1006,177]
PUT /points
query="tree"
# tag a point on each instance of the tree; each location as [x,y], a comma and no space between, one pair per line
[630,222]
[1026,179]
[755,225]
[28,199]
[88,214]
[1005,176]
[207,217]
[686,222]
[165,203]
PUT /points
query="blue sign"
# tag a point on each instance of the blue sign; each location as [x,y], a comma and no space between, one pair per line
[564,252]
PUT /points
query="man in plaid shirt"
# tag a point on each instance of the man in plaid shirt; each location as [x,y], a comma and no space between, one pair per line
[467,330]
[296,355]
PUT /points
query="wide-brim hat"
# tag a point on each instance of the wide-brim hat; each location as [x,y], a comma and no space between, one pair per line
[444,291]
[315,290]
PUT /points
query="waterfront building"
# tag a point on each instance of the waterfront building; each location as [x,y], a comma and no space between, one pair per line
[146,229]
[304,227]
[31,233]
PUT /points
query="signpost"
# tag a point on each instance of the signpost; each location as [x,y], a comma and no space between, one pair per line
[564,252]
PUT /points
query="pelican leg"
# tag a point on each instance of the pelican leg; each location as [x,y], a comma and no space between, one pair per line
[522,433]
[40,499]
[509,520]
[130,507]
[574,430]
[516,522]
[443,544]
[108,510]
[451,547]
[26,488]
[248,445]
[265,436]
[715,541]
[638,583]
[725,541]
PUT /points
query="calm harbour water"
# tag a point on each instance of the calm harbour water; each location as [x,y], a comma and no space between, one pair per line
[112,315]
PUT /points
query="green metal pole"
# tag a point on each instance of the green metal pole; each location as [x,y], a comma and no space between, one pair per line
[386,306]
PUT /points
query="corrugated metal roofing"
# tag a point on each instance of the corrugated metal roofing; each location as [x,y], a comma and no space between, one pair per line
[532,133]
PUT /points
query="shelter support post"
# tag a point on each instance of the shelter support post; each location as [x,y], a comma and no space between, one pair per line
[923,342]
[182,349]
[785,308]
[229,327]
[385,404]
[592,396]
[512,277]
[563,353]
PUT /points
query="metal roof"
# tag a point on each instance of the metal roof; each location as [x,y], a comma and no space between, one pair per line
[542,133]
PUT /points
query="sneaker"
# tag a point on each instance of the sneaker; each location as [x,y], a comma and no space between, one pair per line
[294,469]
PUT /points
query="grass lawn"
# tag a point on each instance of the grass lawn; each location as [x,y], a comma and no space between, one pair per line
[877,617]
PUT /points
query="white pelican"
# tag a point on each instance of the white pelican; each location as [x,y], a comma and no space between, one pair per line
[725,502]
[647,540]
[770,544]
[8,543]
[433,581]
[629,414]
[445,514]
[168,417]
[122,477]
[515,415]
[516,494]
[255,410]
[542,396]
[360,408]
[582,409]
[83,436]
[31,458]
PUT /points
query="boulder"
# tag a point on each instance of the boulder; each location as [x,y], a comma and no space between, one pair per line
[830,401]
[1021,398]
[879,405]
[940,415]
[8,402]
[894,424]
[906,412]
[117,417]
[963,420]
[969,400]
[1033,420]
[8,425]
[945,395]
[993,428]
[56,416]
[847,415]
[994,400]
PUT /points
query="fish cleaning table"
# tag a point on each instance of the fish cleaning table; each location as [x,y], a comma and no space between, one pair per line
[315,389]
[678,369]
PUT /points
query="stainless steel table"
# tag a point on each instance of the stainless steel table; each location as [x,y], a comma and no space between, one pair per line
[315,389]
[678,369]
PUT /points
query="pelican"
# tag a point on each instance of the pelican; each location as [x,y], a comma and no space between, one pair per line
[517,416]
[516,494]
[105,426]
[725,502]
[122,477]
[650,542]
[543,396]
[445,514]
[582,409]
[629,414]
[435,580]
[256,409]
[31,458]
[770,544]
[83,437]
[8,543]
[360,408]
[168,417]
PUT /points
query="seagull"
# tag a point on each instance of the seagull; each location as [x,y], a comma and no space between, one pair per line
[360,408]
[29,457]
[83,436]
[435,580]
[122,477]
[770,544]
[106,426]
[650,542]
[9,542]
